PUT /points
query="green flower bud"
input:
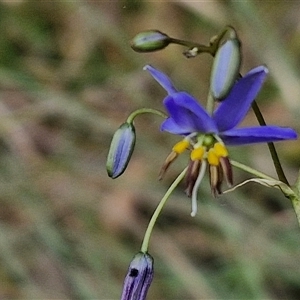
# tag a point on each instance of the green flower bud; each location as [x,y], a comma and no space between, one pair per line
[225,68]
[150,40]
[121,149]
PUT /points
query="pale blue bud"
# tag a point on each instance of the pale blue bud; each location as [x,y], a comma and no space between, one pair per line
[121,149]
[225,69]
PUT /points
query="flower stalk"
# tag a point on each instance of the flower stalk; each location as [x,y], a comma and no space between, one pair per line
[141,111]
[158,210]
[271,146]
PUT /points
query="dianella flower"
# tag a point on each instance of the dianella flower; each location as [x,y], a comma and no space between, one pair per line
[138,278]
[206,135]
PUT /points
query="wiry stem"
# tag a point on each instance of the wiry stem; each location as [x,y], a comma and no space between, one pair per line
[158,210]
[272,149]
[144,111]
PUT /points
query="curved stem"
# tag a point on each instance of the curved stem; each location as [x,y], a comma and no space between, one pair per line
[250,170]
[158,210]
[144,111]
[272,149]
[200,47]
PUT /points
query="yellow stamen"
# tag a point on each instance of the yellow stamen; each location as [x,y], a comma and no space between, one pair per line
[220,150]
[181,146]
[197,153]
[212,157]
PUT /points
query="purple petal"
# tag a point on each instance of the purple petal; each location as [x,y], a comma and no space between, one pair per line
[162,79]
[235,106]
[169,125]
[187,115]
[262,134]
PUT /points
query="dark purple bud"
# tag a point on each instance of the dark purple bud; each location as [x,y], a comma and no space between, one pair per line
[121,149]
[138,278]
[149,41]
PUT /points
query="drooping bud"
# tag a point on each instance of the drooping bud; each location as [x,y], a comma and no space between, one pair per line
[149,41]
[225,69]
[121,149]
[138,278]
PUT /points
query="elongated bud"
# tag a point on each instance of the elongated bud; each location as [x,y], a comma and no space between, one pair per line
[138,278]
[149,41]
[121,149]
[225,68]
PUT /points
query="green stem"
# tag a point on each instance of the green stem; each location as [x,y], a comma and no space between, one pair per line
[144,111]
[200,47]
[250,170]
[210,104]
[295,199]
[293,194]
[158,210]
[272,149]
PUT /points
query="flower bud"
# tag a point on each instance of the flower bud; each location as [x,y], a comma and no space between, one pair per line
[138,278]
[150,40]
[225,68]
[121,149]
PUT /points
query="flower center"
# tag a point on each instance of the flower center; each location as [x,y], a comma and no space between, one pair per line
[206,151]
[206,147]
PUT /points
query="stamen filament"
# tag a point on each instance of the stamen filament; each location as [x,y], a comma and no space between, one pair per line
[196,187]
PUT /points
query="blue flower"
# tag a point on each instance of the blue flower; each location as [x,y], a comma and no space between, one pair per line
[207,135]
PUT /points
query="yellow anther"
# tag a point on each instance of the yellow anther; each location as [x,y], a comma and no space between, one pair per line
[197,153]
[220,150]
[212,157]
[181,146]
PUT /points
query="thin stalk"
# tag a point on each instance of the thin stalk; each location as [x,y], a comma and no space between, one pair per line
[250,170]
[158,210]
[200,47]
[144,111]
[211,49]
[210,104]
[272,149]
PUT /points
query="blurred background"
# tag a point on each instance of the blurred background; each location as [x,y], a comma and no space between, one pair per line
[68,79]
